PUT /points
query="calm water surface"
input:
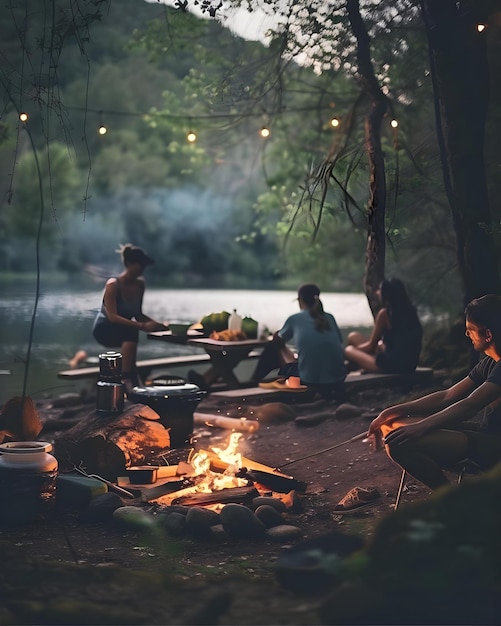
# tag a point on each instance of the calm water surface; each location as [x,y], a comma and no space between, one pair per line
[64,320]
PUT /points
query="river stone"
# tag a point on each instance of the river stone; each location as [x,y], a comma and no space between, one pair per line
[269,501]
[268,515]
[102,507]
[134,518]
[200,520]
[240,522]
[173,523]
[347,411]
[274,412]
[284,532]
[175,508]
[218,531]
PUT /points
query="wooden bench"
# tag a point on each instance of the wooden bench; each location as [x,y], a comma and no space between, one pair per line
[146,366]
[368,380]
[354,381]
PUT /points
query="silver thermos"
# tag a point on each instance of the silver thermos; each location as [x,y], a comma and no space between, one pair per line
[109,387]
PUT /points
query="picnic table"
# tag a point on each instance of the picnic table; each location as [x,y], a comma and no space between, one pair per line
[226,355]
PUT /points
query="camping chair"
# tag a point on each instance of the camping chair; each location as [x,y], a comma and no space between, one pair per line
[467,466]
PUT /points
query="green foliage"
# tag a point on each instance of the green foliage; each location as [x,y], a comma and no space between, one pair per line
[151,74]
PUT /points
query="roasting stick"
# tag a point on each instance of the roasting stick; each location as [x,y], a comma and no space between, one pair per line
[338,445]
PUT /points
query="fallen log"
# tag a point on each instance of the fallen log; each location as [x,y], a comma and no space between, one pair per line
[239,424]
[107,444]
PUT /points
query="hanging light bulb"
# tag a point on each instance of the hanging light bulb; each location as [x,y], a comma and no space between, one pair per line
[394,123]
[265,132]
[191,136]
[101,129]
[24,117]
[335,122]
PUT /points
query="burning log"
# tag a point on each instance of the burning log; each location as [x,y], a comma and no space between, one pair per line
[273,481]
[236,495]
[262,474]
[106,445]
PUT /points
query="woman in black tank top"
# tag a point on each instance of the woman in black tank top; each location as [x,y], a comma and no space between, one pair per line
[121,317]
[395,343]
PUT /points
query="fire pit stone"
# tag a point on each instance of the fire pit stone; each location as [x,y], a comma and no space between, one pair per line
[200,520]
[269,515]
[240,522]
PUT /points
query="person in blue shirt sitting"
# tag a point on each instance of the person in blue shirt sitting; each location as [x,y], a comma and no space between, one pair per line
[319,344]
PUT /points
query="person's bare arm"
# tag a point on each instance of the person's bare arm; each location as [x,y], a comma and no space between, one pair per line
[380,324]
[144,323]
[427,405]
[481,397]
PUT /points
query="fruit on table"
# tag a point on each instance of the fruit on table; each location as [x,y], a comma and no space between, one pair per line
[249,327]
[215,321]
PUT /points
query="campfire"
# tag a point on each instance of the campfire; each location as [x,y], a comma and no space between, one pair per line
[222,475]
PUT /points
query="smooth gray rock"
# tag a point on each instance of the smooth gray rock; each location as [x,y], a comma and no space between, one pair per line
[284,532]
[102,507]
[240,522]
[134,518]
[269,516]
[269,501]
[200,520]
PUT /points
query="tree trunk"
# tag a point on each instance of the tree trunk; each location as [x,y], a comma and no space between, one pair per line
[460,79]
[375,254]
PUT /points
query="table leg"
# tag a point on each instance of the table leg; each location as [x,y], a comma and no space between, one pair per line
[223,362]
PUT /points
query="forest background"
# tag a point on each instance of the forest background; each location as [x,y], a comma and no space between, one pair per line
[226,210]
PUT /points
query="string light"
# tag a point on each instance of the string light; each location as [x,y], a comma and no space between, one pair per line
[481,27]
[335,122]
[191,136]
[394,123]
[24,117]
[102,130]
[265,132]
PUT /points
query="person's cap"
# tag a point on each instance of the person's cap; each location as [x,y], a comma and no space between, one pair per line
[137,255]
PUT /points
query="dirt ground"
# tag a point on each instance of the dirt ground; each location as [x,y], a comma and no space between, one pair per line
[61,570]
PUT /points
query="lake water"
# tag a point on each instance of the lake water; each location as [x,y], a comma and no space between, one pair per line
[64,320]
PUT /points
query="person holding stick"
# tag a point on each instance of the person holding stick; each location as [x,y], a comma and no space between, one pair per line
[426,436]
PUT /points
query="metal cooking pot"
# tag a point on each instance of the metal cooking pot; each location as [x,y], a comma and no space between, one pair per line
[175,404]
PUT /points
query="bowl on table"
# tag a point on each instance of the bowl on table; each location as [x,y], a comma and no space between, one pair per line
[180,328]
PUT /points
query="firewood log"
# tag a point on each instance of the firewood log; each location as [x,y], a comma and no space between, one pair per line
[107,444]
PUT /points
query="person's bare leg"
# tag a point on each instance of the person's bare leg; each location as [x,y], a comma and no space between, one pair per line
[355,339]
[426,457]
[129,371]
[362,359]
